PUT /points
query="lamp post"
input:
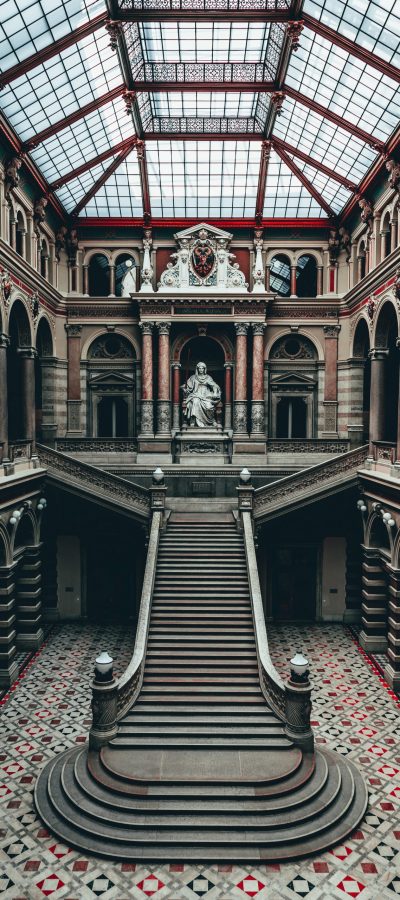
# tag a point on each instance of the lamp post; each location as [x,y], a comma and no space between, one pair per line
[298,704]
[104,703]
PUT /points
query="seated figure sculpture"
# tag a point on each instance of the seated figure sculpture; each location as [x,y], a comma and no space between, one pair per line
[201,394]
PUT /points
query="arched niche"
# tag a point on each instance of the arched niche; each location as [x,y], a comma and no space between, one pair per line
[111,374]
[293,388]
[306,276]
[209,350]
[44,381]
[386,334]
[361,348]
[126,272]
[20,336]
[379,537]
[99,275]
[280,275]
[25,533]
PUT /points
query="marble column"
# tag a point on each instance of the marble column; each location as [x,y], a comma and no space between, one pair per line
[74,378]
[257,401]
[228,396]
[4,343]
[378,359]
[392,669]
[176,396]
[8,665]
[320,283]
[27,362]
[373,636]
[240,406]
[330,392]
[111,270]
[147,419]
[293,285]
[86,280]
[29,602]
[164,396]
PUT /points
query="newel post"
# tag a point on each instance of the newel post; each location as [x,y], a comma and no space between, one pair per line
[245,493]
[158,492]
[298,704]
[104,703]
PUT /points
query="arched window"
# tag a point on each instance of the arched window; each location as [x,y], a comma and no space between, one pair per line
[44,381]
[98,276]
[111,386]
[293,388]
[386,338]
[20,235]
[125,275]
[280,275]
[306,276]
[20,337]
[362,261]
[385,236]
[361,349]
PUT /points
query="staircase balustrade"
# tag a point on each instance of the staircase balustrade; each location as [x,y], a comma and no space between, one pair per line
[94,481]
[275,498]
[111,702]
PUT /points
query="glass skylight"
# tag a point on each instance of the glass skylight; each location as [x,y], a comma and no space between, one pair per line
[344,84]
[203,104]
[83,141]
[335,194]
[61,85]
[204,41]
[27,27]
[202,178]
[121,194]
[373,25]
[324,141]
[70,194]
[285,196]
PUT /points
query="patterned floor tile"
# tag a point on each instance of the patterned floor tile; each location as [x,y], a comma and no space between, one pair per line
[354,712]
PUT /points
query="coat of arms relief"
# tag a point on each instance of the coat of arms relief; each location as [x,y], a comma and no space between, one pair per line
[203,260]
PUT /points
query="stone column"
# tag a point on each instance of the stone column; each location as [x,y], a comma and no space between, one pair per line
[176,396]
[27,361]
[293,285]
[330,393]
[164,396]
[8,665]
[29,603]
[377,396]
[240,407]
[147,421]
[228,396]
[393,234]
[111,270]
[392,669]
[74,378]
[373,636]
[257,402]
[4,343]
[320,283]
[85,271]
[13,233]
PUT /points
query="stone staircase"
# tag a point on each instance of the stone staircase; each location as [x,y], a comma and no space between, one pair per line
[200,767]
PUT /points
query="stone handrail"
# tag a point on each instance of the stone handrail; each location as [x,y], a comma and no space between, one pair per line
[129,685]
[276,497]
[102,485]
[272,685]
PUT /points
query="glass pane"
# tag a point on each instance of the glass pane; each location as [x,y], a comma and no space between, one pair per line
[285,196]
[121,195]
[375,26]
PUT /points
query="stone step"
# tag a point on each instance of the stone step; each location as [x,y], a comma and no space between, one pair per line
[195,742]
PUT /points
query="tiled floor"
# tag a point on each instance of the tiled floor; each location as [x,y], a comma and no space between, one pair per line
[48,710]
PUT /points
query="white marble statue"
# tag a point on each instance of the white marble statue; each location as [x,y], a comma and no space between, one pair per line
[201,394]
[128,285]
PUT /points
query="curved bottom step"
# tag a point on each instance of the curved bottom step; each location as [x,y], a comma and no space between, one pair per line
[83,820]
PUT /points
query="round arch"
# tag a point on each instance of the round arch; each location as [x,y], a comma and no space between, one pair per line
[5,545]
[182,339]
[103,331]
[97,251]
[25,534]
[280,273]
[361,337]
[44,337]
[278,251]
[286,333]
[377,535]
[99,274]
[316,255]
[387,322]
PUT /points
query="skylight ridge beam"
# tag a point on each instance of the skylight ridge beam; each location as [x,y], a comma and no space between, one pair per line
[103,178]
[249,87]
[54,48]
[351,47]
[296,7]
[309,160]
[333,117]
[200,15]
[73,117]
[305,182]
[144,181]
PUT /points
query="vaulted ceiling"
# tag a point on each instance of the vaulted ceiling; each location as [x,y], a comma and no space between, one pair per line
[241,109]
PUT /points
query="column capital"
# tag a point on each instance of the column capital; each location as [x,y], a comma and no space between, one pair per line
[242,327]
[146,327]
[258,327]
[4,340]
[176,365]
[332,331]
[378,353]
[163,327]
[27,352]
[229,364]
[73,330]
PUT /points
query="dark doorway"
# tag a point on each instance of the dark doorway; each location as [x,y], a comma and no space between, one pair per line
[111,589]
[294,583]
[291,418]
[112,419]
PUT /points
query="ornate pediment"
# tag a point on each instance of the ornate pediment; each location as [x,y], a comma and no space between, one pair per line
[294,380]
[203,261]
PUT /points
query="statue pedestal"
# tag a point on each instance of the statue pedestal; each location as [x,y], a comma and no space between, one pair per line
[210,446]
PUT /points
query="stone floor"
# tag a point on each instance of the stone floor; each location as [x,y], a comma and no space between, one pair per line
[48,710]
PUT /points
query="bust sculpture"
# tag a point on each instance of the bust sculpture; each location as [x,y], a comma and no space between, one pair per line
[201,394]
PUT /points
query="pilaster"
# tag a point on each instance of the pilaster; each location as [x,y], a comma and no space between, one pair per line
[8,664]
[29,603]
